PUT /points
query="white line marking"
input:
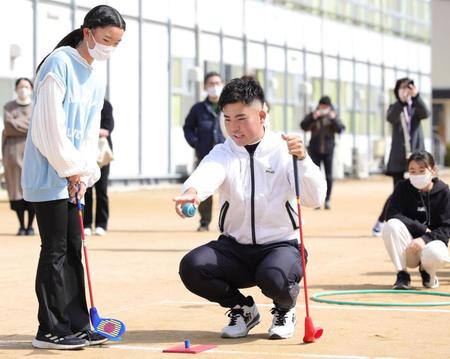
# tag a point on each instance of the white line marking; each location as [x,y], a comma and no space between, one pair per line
[329,307]
[240,352]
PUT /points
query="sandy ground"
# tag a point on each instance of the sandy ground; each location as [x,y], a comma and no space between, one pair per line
[134,269]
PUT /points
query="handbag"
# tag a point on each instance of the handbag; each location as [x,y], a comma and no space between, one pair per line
[105,154]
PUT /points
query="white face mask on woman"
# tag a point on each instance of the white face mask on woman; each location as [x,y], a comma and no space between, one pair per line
[24,95]
[421,181]
[100,52]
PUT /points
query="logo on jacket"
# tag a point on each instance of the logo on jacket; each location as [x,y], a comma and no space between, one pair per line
[270,170]
[421,209]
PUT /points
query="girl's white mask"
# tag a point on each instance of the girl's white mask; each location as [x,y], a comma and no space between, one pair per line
[421,181]
[100,52]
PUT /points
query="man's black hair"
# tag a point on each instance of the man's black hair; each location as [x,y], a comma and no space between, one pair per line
[245,90]
[210,74]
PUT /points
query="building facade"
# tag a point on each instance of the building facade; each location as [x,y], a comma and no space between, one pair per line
[351,50]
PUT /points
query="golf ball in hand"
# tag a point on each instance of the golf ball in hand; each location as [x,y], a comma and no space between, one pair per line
[188,209]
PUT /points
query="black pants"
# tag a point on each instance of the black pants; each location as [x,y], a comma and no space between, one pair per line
[216,271]
[60,276]
[396,177]
[327,159]
[101,202]
[20,207]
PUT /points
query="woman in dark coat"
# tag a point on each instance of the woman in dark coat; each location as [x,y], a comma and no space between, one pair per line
[405,116]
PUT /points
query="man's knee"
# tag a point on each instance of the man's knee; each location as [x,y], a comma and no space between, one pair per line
[275,285]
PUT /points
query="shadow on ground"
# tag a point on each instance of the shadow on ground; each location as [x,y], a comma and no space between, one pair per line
[178,336]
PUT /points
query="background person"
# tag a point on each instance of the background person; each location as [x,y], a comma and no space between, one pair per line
[60,162]
[405,116]
[323,123]
[16,117]
[202,131]
[101,186]
[258,244]
[418,223]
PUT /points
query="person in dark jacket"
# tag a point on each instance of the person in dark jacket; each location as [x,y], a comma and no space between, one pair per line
[405,116]
[101,186]
[202,131]
[323,124]
[418,223]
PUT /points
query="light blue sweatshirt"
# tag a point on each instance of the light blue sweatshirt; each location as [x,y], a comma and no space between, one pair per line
[62,138]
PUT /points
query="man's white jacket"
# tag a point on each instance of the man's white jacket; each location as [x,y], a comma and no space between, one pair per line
[257,193]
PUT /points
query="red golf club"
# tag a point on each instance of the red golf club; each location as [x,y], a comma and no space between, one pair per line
[311,333]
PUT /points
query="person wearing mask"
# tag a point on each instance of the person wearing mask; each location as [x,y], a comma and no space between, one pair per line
[16,117]
[254,173]
[60,162]
[323,123]
[202,131]
[418,223]
[405,116]
[101,186]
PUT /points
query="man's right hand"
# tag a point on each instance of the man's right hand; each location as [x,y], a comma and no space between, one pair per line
[189,196]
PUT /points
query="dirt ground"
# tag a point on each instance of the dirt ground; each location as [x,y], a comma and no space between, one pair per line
[134,269]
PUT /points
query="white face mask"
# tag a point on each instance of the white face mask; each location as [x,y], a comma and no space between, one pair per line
[100,52]
[214,91]
[421,181]
[24,94]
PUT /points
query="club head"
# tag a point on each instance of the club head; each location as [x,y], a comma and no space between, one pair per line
[112,329]
[311,333]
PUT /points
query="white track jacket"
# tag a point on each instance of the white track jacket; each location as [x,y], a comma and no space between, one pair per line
[257,193]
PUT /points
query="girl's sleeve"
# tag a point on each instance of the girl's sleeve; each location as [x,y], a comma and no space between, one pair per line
[48,131]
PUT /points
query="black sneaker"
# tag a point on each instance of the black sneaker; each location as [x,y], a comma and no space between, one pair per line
[91,338]
[403,280]
[50,341]
[21,232]
[29,231]
[203,228]
[426,279]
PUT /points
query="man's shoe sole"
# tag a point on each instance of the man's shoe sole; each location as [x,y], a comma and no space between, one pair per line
[39,344]
[251,325]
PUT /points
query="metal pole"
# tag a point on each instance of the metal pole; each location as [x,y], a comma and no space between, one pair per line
[170,114]
[140,85]
[286,89]
[35,34]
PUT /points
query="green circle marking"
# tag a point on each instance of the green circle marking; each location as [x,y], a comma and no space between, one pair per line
[319,298]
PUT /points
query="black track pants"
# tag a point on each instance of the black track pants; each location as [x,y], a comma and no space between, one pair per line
[218,269]
[60,276]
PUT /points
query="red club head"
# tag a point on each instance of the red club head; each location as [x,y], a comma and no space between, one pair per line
[311,333]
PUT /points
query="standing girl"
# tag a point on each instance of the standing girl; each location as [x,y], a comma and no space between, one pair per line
[60,162]
[16,117]
[418,227]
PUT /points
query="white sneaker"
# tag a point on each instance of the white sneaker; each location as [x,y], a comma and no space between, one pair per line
[87,231]
[99,231]
[242,319]
[377,229]
[283,324]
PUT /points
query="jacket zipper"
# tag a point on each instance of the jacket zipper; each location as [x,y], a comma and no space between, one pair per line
[252,202]
[223,213]
[291,217]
